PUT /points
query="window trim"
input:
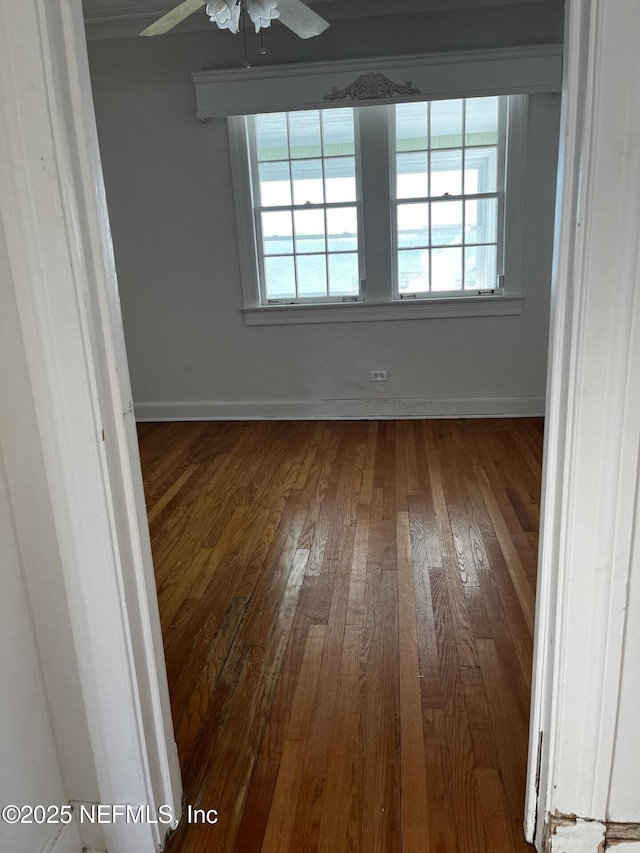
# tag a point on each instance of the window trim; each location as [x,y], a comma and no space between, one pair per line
[374,303]
[401,309]
[253,164]
[499,194]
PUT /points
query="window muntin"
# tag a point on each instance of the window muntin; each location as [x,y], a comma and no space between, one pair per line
[449,195]
[444,209]
[305,186]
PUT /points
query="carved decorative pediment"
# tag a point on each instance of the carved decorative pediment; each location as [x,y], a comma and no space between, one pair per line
[371,86]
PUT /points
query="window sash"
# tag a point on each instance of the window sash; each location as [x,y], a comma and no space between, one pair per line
[462,198]
[291,209]
[379,287]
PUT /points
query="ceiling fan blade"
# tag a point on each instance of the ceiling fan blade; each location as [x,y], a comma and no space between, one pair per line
[172,19]
[299,18]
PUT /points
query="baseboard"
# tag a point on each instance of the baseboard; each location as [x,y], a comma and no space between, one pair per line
[626,835]
[356,409]
[64,838]
[571,834]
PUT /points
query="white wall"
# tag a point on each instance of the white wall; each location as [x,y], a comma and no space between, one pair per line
[34,594]
[170,198]
[30,772]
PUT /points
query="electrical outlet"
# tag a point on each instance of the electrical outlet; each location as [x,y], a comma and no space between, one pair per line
[378,375]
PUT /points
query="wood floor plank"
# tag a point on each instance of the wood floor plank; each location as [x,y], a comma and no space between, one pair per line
[336,807]
[192,688]
[455,586]
[448,659]
[358,570]
[469,828]
[506,470]
[263,781]
[510,552]
[431,686]
[415,811]
[170,493]
[319,741]
[369,467]
[510,738]
[494,808]
[346,609]
[376,823]
[442,819]
[306,829]
[237,746]
[283,808]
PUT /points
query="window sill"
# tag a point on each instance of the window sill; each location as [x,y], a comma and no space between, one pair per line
[353,312]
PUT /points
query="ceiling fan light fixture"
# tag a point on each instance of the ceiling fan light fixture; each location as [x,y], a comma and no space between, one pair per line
[294,14]
[262,12]
[226,13]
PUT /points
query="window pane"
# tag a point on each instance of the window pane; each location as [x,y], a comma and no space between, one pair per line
[277,235]
[413,271]
[337,129]
[312,275]
[411,127]
[481,220]
[446,273]
[307,182]
[340,179]
[481,121]
[446,124]
[309,225]
[446,173]
[445,150]
[480,272]
[275,186]
[480,170]
[304,134]
[342,230]
[412,176]
[446,223]
[271,137]
[343,275]
[280,282]
[413,225]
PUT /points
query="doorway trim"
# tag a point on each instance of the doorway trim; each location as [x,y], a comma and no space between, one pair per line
[590,472]
[54,214]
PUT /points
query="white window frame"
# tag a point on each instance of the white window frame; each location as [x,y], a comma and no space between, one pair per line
[378,299]
[500,194]
[257,209]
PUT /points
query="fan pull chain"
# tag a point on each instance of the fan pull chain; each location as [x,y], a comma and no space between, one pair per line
[247,64]
[263,49]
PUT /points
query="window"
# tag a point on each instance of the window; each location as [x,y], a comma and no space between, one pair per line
[380,206]
[449,169]
[306,205]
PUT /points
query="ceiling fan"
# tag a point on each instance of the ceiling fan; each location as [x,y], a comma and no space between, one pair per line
[294,14]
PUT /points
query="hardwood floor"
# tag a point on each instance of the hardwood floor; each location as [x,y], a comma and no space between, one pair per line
[347,610]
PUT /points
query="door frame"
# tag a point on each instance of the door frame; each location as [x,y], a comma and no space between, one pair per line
[65,284]
[55,221]
[590,470]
